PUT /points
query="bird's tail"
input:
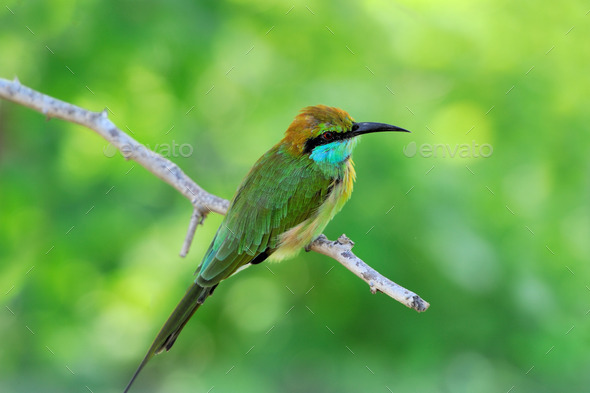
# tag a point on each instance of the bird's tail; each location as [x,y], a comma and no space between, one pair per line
[194,297]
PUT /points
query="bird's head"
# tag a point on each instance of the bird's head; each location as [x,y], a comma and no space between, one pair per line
[327,134]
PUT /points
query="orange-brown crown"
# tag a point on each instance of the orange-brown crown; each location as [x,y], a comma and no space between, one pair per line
[313,121]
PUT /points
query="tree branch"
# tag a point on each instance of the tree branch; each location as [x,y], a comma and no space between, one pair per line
[202,201]
[340,250]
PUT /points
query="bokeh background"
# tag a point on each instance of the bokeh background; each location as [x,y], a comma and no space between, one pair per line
[496,238]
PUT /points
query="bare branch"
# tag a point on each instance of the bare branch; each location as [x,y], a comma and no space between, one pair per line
[129,147]
[340,250]
[196,219]
[202,201]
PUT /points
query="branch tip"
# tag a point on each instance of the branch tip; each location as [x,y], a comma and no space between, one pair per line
[419,304]
[196,218]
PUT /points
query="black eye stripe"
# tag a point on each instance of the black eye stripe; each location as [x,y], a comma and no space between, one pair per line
[319,140]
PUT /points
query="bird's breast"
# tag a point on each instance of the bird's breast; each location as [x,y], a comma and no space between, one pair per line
[302,234]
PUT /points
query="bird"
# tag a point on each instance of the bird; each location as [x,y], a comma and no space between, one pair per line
[282,205]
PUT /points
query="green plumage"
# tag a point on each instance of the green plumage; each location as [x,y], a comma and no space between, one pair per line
[279,192]
[282,205]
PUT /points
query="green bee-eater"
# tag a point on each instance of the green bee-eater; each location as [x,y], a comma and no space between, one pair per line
[282,205]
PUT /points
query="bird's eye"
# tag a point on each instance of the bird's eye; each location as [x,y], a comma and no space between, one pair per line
[328,136]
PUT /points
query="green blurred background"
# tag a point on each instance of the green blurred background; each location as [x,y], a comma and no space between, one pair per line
[499,245]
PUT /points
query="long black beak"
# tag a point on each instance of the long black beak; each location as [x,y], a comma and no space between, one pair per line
[366,128]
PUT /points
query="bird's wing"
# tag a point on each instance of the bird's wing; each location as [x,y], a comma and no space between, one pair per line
[279,192]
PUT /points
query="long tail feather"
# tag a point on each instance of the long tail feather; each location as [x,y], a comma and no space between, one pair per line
[194,297]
